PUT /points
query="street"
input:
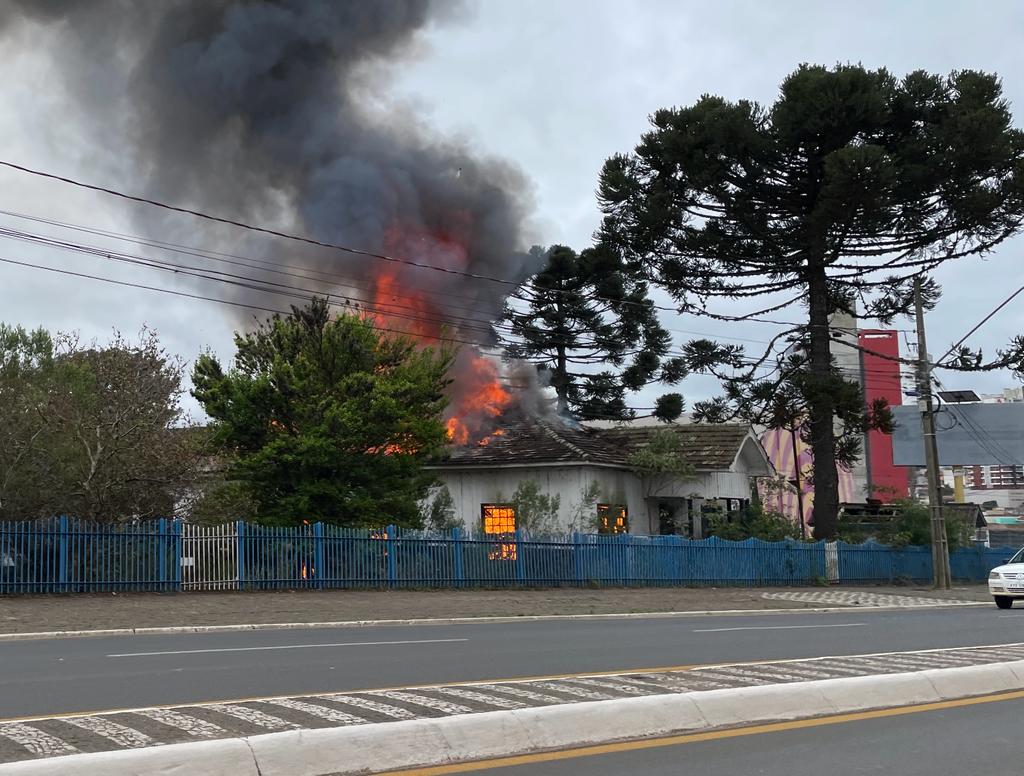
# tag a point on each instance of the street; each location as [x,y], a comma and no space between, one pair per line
[977,739]
[91,674]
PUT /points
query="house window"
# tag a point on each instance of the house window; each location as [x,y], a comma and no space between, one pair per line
[612,519]
[500,520]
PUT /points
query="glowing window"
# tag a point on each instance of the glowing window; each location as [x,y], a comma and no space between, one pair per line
[612,518]
[500,520]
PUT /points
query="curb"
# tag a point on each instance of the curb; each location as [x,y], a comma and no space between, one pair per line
[272,626]
[424,742]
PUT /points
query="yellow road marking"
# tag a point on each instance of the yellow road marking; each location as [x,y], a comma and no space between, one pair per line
[692,738]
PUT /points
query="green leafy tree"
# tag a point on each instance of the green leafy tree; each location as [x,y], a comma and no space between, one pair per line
[536,511]
[439,511]
[837,197]
[328,419]
[26,362]
[580,313]
[92,431]
[661,455]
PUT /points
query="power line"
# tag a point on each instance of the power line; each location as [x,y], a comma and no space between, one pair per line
[345,248]
[978,434]
[274,267]
[983,321]
[296,237]
[258,308]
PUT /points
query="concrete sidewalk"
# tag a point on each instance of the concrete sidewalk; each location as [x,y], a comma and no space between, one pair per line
[31,614]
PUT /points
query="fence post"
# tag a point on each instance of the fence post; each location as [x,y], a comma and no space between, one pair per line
[161,560]
[577,557]
[240,542]
[64,553]
[457,550]
[520,561]
[318,554]
[177,528]
[391,545]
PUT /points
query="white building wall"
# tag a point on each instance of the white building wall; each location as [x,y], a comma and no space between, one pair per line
[470,488]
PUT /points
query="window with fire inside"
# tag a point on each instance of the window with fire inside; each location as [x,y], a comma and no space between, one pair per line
[612,519]
[499,522]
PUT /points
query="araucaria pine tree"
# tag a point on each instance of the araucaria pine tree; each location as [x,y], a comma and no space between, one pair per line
[835,198]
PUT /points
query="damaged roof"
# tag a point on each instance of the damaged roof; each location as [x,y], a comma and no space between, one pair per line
[704,446]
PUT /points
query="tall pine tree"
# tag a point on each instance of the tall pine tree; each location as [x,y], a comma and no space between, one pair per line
[850,186]
[591,328]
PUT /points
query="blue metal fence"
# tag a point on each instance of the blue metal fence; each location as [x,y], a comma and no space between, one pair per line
[71,556]
[65,556]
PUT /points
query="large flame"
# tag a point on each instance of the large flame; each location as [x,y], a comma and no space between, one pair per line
[404,302]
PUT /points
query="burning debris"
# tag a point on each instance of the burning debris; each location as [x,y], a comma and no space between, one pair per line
[272,112]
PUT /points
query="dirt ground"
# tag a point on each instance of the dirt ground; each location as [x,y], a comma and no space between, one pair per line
[23,614]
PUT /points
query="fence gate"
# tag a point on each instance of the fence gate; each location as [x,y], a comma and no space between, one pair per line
[209,557]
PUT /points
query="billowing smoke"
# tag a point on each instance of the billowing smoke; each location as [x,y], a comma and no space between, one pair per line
[276,113]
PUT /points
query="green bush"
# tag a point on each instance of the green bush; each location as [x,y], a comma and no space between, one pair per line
[754,523]
[912,526]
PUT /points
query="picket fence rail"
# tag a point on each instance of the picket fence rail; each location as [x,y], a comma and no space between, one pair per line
[63,555]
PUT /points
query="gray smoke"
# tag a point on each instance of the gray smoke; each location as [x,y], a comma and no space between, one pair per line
[275,113]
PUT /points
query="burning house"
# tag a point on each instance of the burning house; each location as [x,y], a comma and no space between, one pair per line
[588,472]
[276,114]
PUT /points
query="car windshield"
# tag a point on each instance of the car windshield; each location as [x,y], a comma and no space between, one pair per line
[1018,558]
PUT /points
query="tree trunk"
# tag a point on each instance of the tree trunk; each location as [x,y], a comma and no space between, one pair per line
[821,406]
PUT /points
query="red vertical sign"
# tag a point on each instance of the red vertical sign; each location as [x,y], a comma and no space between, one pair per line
[882,381]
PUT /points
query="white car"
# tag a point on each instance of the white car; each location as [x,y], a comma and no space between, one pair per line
[1006,582]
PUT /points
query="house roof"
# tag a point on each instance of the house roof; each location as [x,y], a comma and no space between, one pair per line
[703,445]
[706,447]
[538,442]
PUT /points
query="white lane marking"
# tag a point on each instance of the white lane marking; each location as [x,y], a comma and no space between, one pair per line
[122,735]
[479,697]
[425,700]
[521,693]
[316,710]
[38,742]
[364,703]
[579,692]
[252,716]
[287,646]
[780,627]
[194,726]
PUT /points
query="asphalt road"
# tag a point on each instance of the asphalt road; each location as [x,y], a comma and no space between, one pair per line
[91,674]
[979,740]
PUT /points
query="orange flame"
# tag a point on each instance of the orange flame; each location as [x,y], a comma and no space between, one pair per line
[401,303]
[498,432]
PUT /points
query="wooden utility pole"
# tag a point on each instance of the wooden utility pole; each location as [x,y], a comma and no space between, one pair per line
[940,547]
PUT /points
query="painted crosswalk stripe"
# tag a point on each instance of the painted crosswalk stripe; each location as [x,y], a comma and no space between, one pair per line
[386,709]
[520,693]
[806,672]
[479,697]
[316,710]
[579,692]
[36,741]
[252,716]
[622,687]
[426,701]
[193,726]
[122,735]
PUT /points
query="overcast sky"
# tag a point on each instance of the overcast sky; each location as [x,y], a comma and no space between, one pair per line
[555,87]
